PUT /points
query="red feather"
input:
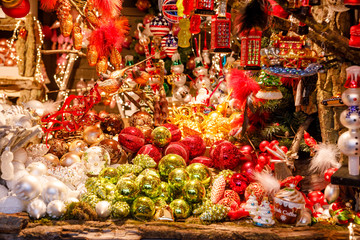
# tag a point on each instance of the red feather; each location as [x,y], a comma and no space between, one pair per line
[241,85]
[48,5]
[188,6]
[108,7]
[109,35]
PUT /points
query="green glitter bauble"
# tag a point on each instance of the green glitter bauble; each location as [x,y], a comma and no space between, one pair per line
[127,190]
[169,163]
[177,179]
[194,191]
[129,168]
[144,161]
[150,186]
[147,172]
[181,209]
[110,174]
[161,136]
[91,199]
[120,210]
[143,208]
[165,191]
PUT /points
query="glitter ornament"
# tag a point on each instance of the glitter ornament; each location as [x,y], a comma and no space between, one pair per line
[129,168]
[95,158]
[127,190]
[78,147]
[203,160]
[231,194]
[177,179]
[217,189]
[194,191]
[152,151]
[215,213]
[58,147]
[198,171]
[147,172]
[179,149]
[168,163]
[143,208]
[11,204]
[256,189]
[27,188]
[36,208]
[72,176]
[54,190]
[112,124]
[18,11]
[131,139]
[150,186]
[141,118]
[36,169]
[93,134]
[264,216]
[110,174]
[103,209]
[144,161]
[52,160]
[181,209]
[226,156]
[114,148]
[239,183]
[91,199]
[69,159]
[227,202]
[120,210]
[159,26]
[161,136]
[195,144]
[56,209]
[175,131]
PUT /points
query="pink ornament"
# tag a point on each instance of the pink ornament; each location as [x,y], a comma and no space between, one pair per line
[217,190]
[204,160]
[175,131]
[232,195]
[226,156]
[131,139]
[178,148]
[152,151]
[257,189]
[228,202]
[195,144]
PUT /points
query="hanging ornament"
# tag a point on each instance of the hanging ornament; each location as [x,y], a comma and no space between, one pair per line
[220,33]
[204,7]
[352,3]
[269,88]
[18,11]
[11,3]
[195,22]
[143,5]
[184,34]
[170,11]
[170,44]
[355,36]
[159,26]
[250,49]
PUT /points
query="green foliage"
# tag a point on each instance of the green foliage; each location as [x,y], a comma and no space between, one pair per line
[80,211]
[273,130]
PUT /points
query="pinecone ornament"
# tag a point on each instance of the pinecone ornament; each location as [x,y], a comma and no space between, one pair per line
[231,194]
[120,210]
[102,65]
[63,9]
[144,161]
[92,55]
[91,184]
[78,37]
[215,213]
[115,58]
[206,205]
[129,168]
[218,188]
[66,26]
[90,14]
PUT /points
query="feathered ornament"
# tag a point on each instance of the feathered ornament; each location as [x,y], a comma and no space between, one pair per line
[269,182]
[255,15]
[241,85]
[109,7]
[326,156]
[48,5]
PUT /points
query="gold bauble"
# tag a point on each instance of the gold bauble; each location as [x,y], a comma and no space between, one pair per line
[11,3]
[78,147]
[53,159]
[69,159]
[93,134]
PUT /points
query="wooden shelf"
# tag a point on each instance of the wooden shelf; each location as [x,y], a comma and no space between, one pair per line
[342,177]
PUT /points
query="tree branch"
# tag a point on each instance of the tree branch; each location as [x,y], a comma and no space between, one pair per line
[48,52]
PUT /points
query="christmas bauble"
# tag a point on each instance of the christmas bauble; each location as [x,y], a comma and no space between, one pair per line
[175,131]
[120,210]
[58,147]
[190,64]
[114,149]
[143,5]
[11,204]
[159,26]
[127,190]
[19,11]
[177,179]
[150,186]
[95,158]
[198,171]
[112,124]
[143,208]
[92,134]
[11,3]
[146,130]
[350,118]
[131,139]
[110,173]
[36,208]
[351,97]
[226,156]
[161,136]
[141,118]
[152,151]
[36,169]
[78,147]
[203,160]
[248,169]
[331,193]
[139,49]
[147,172]
[195,144]
[56,209]
[256,189]
[69,159]
[103,209]
[212,148]
[178,148]
[127,41]
[317,197]
[348,143]
[239,182]
[169,163]
[27,188]
[180,208]
[165,191]
[288,204]
[194,191]
[54,190]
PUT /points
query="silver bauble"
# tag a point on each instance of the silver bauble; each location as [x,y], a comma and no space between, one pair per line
[36,169]
[103,209]
[36,208]
[19,174]
[351,97]
[11,204]
[331,193]
[54,190]
[350,120]
[348,143]
[56,209]
[27,188]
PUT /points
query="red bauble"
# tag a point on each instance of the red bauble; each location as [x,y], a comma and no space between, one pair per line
[175,29]
[273,143]
[259,168]
[19,11]
[211,152]
[247,152]
[152,151]
[317,197]
[263,145]
[263,159]
[191,63]
[248,169]
[284,148]
[178,148]
[131,139]
[147,19]
[238,183]
[139,49]
[329,173]
[175,131]
[226,156]
[127,41]
[204,160]
[195,144]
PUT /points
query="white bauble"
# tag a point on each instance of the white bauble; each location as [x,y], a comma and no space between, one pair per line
[11,204]
[350,120]
[56,209]
[351,97]
[27,188]
[3,191]
[103,209]
[54,190]
[20,155]
[348,143]
[36,208]
[36,168]
[332,192]
[19,174]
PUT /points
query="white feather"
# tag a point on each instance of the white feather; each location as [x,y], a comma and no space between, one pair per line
[50,107]
[268,181]
[326,156]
